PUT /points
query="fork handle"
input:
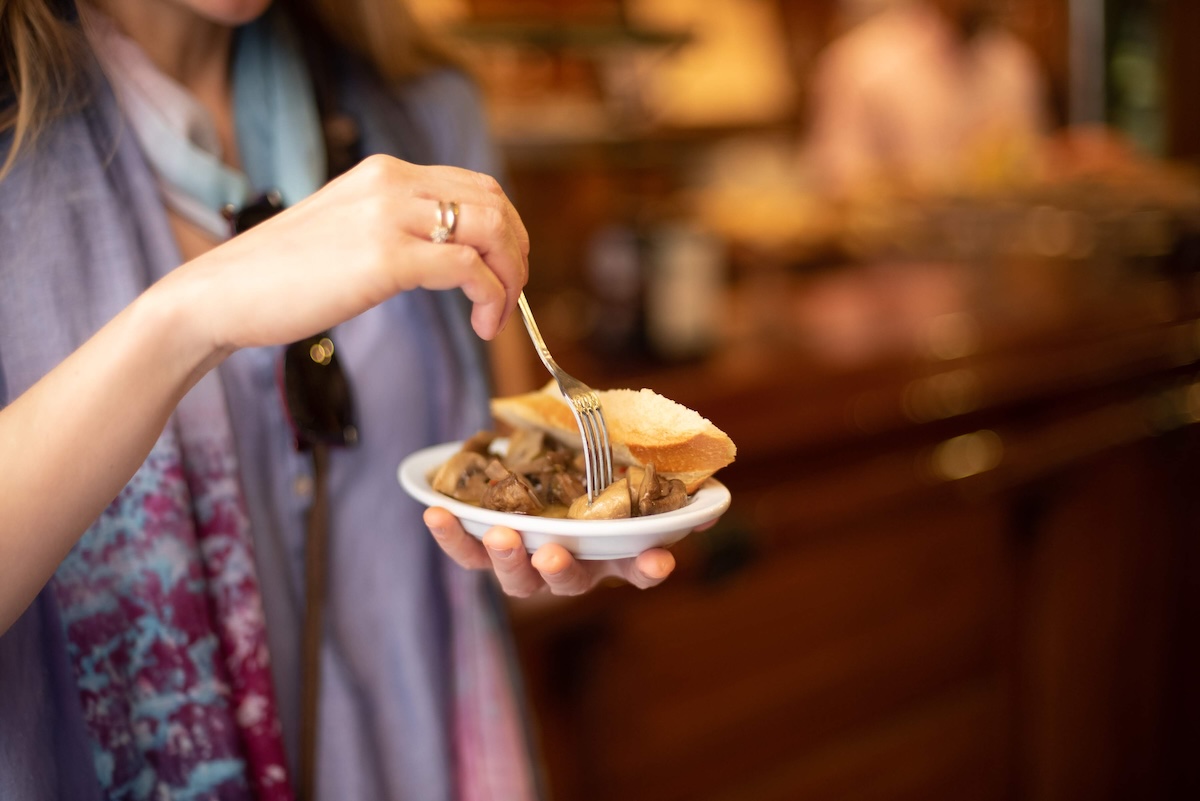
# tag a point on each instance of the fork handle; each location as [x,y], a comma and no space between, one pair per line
[539,344]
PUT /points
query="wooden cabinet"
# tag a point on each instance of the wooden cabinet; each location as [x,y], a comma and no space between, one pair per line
[998,604]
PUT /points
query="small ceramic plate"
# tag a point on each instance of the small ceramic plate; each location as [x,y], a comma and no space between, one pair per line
[586,539]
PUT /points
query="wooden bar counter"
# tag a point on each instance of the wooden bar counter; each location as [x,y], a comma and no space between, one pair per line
[961,560]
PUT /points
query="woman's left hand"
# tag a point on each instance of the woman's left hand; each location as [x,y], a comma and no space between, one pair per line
[551,567]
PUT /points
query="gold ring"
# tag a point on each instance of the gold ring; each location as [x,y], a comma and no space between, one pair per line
[447,223]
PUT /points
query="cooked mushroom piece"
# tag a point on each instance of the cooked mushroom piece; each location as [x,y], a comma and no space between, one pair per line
[525,445]
[540,475]
[558,453]
[462,477]
[611,504]
[657,494]
[564,488]
[495,470]
[479,442]
[510,492]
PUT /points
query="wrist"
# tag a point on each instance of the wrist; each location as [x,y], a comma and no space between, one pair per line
[175,312]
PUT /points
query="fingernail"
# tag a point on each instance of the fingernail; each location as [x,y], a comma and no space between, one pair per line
[502,554]
[437,531]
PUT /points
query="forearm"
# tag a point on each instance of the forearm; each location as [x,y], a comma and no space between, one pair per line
[73,440]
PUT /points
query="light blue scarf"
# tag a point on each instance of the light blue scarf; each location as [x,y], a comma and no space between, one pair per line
[278,126]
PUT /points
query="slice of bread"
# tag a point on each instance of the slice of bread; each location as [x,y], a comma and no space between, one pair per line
[644,428]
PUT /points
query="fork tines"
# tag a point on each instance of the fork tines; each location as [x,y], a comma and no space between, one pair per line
[597,449]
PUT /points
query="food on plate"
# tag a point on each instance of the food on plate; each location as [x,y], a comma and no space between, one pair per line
[662,453]
[637,493]
[645,428]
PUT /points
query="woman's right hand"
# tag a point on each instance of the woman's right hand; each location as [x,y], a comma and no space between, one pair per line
[82,430]
[350,246]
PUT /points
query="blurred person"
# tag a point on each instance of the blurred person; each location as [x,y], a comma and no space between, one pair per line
[153,511]
[923,95]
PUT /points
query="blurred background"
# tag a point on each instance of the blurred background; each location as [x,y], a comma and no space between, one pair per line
[934,268]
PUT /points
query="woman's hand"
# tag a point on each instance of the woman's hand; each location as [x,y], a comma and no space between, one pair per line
[550,567]
[358,241]
[82,430]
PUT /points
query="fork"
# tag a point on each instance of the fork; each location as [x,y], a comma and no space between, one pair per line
[585,406]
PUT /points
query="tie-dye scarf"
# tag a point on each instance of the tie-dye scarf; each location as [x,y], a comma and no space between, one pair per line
[160,599]
[169,682]
[165,629]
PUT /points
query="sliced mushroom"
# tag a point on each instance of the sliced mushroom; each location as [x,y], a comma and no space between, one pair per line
[525,445]
[510,492]
[611,504]
[633,481]
[496,471]
[657,495]
[479,442]
[538,471]
[462,477]
[559,454]
[564,488]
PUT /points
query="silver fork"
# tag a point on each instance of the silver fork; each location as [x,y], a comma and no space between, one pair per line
[585,405]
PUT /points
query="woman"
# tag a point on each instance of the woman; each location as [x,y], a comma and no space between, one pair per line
[139,359]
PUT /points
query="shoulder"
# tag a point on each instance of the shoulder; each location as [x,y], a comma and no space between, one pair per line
[82,141]
[449,106]
[434,118]
[444,92]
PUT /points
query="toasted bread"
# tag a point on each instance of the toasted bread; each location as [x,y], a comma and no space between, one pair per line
[645,428]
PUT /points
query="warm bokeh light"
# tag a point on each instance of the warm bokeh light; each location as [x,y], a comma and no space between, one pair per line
[935,268]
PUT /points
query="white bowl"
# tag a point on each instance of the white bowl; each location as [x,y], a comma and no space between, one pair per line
[586,539]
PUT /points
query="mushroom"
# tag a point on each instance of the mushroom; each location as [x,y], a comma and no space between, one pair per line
[538,472]
[525,446]
[480,442]
[612,504]
[563,488]
[509,492]
[657,494]
[462,477]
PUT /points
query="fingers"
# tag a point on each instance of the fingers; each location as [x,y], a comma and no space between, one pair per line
[492,187]
[467,188]
[490,231]
[475,183]
[449,266]
[550,567]
[457,543]
[510,562]
[563,574]
[485,223]
[355,243]
[501,550]
[649,568]
[553,567]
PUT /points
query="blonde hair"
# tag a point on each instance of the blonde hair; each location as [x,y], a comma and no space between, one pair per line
[39,53]
[41,48]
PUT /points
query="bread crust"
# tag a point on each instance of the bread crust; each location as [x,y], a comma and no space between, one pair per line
[645,428]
